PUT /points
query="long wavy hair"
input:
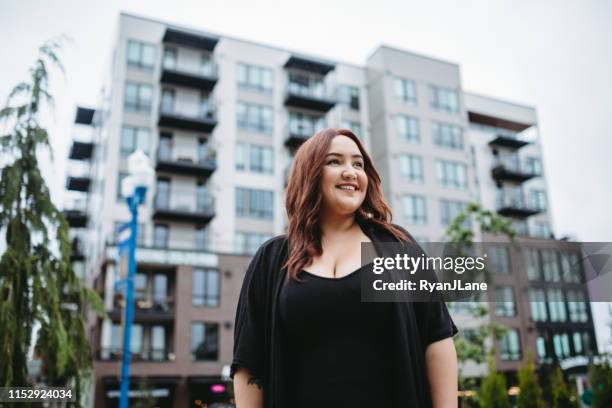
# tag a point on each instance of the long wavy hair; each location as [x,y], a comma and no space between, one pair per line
[304,200]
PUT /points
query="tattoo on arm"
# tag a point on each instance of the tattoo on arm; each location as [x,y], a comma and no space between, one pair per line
[256,381]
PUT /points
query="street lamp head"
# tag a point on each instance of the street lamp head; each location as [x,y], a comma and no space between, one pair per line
[140,170]
[127,187]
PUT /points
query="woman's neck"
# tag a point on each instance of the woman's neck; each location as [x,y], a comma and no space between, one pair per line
[334,225]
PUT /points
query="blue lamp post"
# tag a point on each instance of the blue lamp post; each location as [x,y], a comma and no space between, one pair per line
[134,189]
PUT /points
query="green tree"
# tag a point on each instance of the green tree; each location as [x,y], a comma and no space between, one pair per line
[38,286]
[600,378]
[530,395]
[475,347]
[493,392]
[561,396]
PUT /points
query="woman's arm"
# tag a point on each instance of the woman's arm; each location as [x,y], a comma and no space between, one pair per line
[441,361]
[247,390]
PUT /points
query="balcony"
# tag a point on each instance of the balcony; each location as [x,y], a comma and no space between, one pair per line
[84,116]
[511,203]
[205,121]
[205,79]
[191,40]
[75,212]
[148,308]
[170,161]
[511,168]
[186,207]
[152,355]
[309,97]
[81,150]
[79,177]
[509,141]
[309,65]
[297,133]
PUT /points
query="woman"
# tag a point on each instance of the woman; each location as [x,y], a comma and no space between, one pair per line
[303,338]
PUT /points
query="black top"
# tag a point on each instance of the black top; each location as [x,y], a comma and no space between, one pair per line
[259,342]
[338,349]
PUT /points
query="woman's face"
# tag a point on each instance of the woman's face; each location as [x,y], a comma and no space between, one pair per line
[344,182]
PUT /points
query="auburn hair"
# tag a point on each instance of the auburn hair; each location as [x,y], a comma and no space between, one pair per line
[303,200]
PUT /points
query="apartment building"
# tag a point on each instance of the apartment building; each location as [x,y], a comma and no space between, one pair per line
[220,119]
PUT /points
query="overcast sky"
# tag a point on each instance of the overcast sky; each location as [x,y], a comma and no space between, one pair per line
[554,55]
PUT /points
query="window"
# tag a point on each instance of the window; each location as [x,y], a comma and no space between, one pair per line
[538,200]
[532,260]
[510,346]
[556,306]
[537,301]
[254,118]
[160,236]
[204,201]
[241,155]
[581,342]
[160,290]
[451,174]
[415,209]
[408,128]
[348,96]
[201,238]
[248,243]
[498,259]
[206,109]
[116,342]
[205,287]
[354,127]
[168,98]
[447,135]
[261,159]
[541,348]
[576,303]
[541,229]
[303,124]
[207,66]
[411,168]
[254,78]
[449,209]
[204,341]
[251,203]
[561,345]
[533,165]
[158,343]
[162,193]
[550,265]
[120,178]
[132,139]
[137,97]
[140,55]
[504,301]
[140,288]
[444,99]
[136,339]
[405,90]
[170,58]
[571,267]
[307,85]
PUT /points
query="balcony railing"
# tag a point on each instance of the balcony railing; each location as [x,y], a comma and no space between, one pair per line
[511,168]
[75,211]
[169,160]
[204,121]
[148,308]
[309,97]
[188,206]
[205,78]
[509,140]
[297,133]
[512,203]
[152,355]
[78,176]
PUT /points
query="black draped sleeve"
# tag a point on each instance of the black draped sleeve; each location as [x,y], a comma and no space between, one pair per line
[249,336]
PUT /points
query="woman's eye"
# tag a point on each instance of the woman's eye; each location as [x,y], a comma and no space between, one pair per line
[359,165]
[333,161]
